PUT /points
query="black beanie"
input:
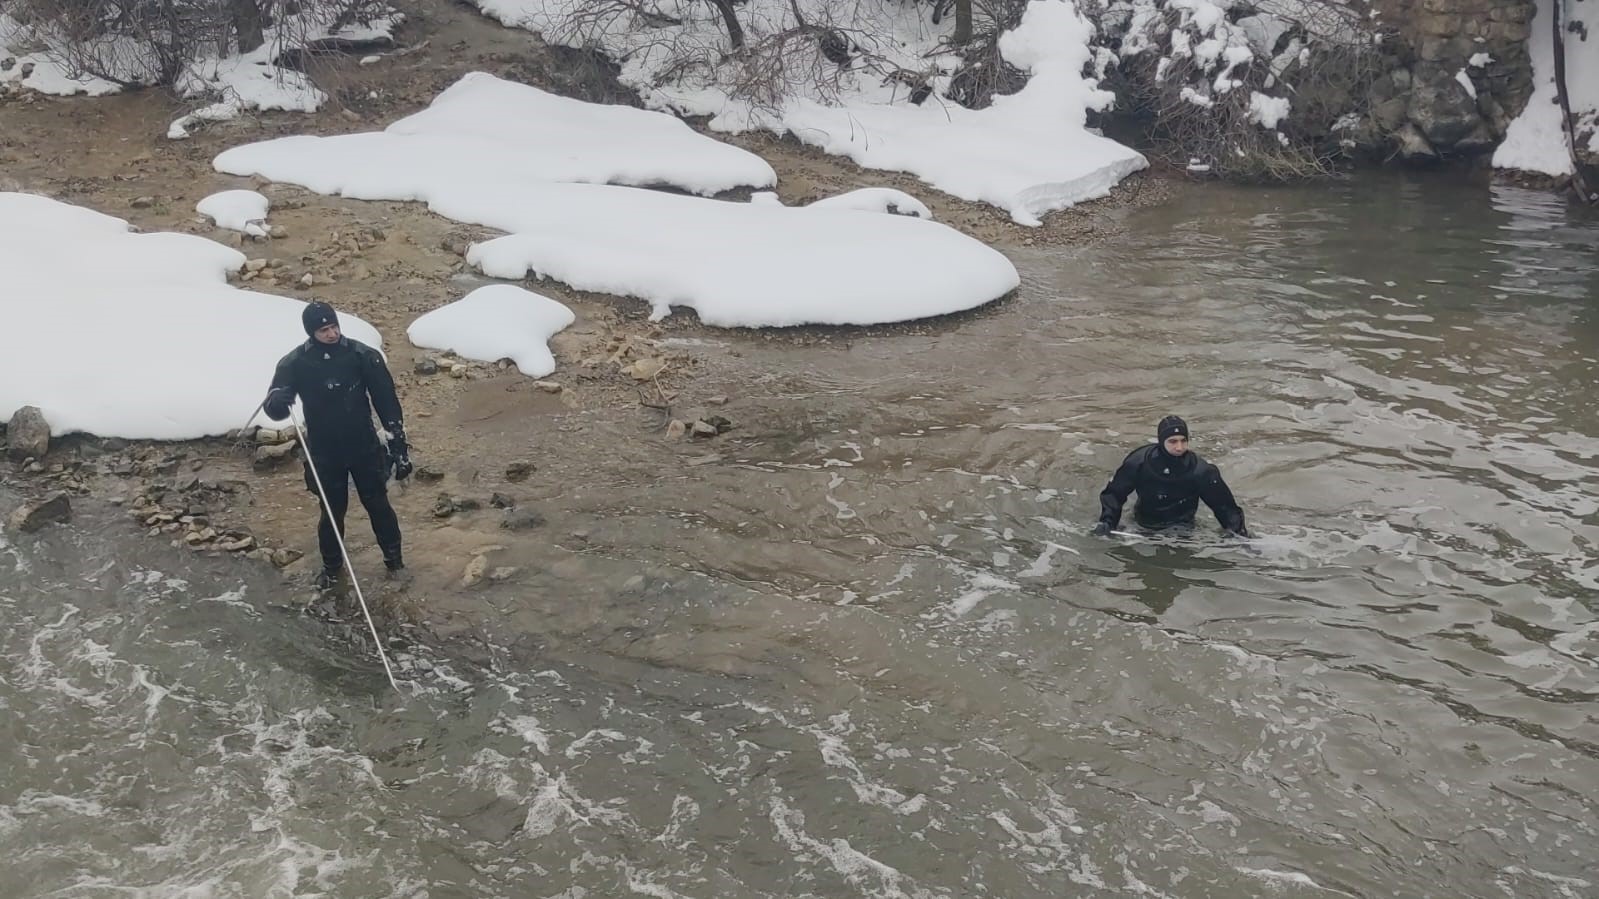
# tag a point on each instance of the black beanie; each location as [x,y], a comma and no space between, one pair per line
[1170,425]
[317,314]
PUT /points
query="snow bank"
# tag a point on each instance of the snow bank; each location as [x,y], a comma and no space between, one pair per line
[500,321]
[1029,153]
[873,199]
[736,264]
[237,210]
[519,132]
[158,345]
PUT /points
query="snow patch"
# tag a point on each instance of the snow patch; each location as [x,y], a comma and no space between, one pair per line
[119,297]
[1267,111]
[500,321]
[483,123]
[237,210]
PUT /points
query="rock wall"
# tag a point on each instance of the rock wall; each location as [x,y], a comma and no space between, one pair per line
[1421,105]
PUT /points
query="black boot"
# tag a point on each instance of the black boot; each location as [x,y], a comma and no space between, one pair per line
[328,578]
[394,564]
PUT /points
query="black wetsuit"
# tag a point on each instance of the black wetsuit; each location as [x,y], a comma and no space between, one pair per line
[339,385]
[1169,490]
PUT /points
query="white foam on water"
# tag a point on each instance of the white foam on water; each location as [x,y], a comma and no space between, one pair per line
[835,753]
[554,801]
[1279,878]
[154,692]
[1573,887]
[528,728]
[861,870]
[979,586]
[33,802]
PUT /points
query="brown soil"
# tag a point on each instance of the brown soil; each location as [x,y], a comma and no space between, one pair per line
[388,263]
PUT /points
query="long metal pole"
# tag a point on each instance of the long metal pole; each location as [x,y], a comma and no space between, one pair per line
[328,507]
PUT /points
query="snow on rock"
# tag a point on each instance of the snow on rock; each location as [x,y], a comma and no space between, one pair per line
[875,199]
[1463,78]
[163,347]
[500,321]
[1536,140]
[1582,70]
[519,132]
[1029,153]
[237,210]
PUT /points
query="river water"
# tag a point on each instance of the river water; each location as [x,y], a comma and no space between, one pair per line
[870,649]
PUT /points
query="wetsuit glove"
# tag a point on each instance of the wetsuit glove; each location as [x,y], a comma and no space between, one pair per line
[278,402]
[399,453]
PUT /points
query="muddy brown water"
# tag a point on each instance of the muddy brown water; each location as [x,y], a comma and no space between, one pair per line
[866,646]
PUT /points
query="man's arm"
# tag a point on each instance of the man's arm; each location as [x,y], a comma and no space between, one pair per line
[1115,494]
[380,387]
[280,395]
[1214,491]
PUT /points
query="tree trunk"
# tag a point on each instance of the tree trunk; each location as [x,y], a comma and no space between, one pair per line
[735,33]
[963,22]
[247,24]
[1578,183]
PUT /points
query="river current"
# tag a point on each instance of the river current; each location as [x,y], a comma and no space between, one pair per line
[874,651]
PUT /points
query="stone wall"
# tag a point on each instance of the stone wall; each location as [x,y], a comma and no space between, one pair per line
[1419,107]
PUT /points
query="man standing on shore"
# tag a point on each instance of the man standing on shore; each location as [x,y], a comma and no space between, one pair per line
[1170,480]
[339,382]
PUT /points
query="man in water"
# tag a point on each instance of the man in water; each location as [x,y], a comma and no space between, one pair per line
[1170,480]
[340,382]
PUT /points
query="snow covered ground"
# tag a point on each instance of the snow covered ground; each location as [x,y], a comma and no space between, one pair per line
[500,321]
[38,70]
[502,155]
[483,124]
[133,335]
[1029,153]
[1535,141]
[237,210]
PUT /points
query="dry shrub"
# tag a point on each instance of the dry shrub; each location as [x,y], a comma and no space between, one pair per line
[1197,110]
[138,43]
